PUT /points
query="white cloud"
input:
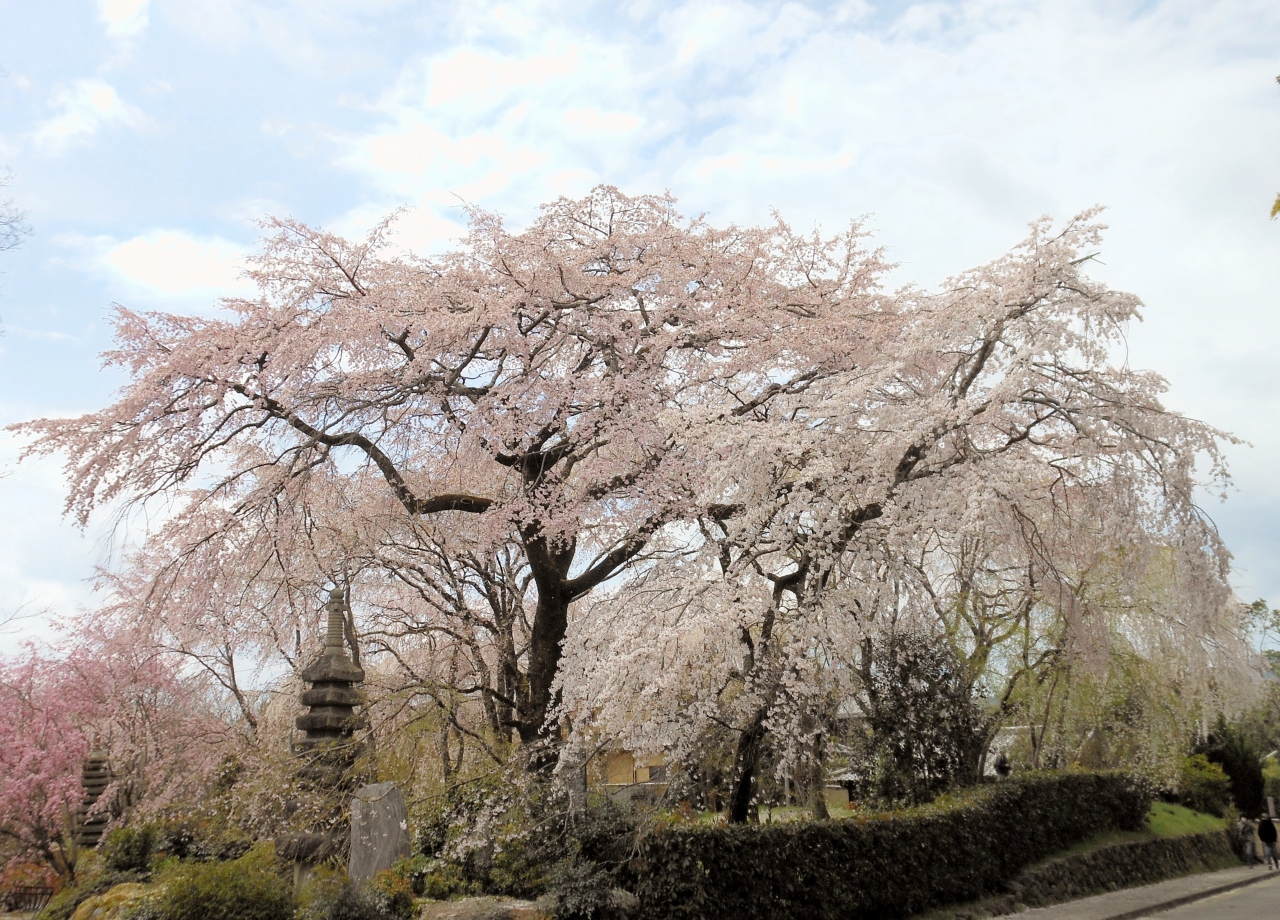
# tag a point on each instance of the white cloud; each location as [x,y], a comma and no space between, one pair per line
[84,108]
[601,122]
[417,149]
[473,73]
[123,17]
[174,262]
[423,230]
[420,160]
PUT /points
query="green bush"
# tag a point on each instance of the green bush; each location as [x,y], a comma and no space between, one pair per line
[356,903]
[432,830]
[92,878]
[1203,786]
[580,890]
[925,729]
[249,888]
[434,878]
[64,903]
[543,833]
[186,838]
[393,893]
[128,849]
[855,868]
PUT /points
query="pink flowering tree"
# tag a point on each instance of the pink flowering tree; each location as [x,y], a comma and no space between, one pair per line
[46,742]
[990,418]
[706,463]
[553,389]
[103,689]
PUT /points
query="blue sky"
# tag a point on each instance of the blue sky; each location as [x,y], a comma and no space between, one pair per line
[147,136]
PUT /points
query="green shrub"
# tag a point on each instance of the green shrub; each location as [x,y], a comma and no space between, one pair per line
[128,849]
[90,882]
[393,894]
[188,839]
[580,890]
[855,868]
[925,729]
[63,905]
[432,831]
[1203,786]
[544,831]
[320,888]
[437,880]
[249,888]
[356,903]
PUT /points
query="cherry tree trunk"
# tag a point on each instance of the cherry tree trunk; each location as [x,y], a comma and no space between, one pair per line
[746,761]
[818,791]
[550,620]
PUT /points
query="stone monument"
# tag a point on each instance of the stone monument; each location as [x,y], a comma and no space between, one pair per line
[379,830]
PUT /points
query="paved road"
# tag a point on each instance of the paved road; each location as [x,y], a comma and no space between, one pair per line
[1253,902]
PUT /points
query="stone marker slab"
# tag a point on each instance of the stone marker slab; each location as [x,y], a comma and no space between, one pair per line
[379,830]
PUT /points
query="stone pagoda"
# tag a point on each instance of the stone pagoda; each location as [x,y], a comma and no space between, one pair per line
[331,721]
[95,777]
[328,747]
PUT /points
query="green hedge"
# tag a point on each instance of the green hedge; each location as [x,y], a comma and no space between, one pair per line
[888,866]
[1110,868]
[1123,865]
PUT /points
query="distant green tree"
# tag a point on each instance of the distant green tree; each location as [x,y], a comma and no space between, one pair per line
[1238,755]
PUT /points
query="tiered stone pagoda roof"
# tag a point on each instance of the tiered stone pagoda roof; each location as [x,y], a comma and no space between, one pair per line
[95,777]
[332,698]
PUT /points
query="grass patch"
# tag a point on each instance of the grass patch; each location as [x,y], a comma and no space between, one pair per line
[1168,820]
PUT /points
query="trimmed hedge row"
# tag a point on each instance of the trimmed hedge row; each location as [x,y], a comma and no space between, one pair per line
[888,866]
[1123,865]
